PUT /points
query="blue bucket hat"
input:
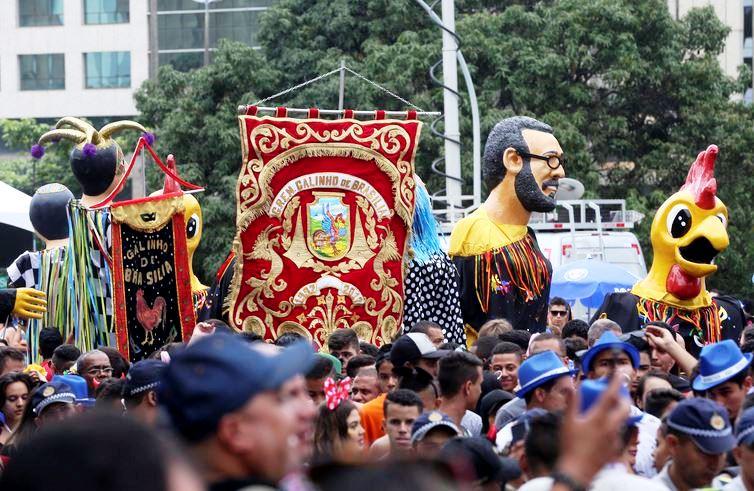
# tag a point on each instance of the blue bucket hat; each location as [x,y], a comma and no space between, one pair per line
[592,390]
[220,373]
[77,383]
[609,341]
[705,422]
[745,428]
[718,363]
[539,369]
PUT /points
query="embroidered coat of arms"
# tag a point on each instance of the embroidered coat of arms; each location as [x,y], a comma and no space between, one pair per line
[324,208]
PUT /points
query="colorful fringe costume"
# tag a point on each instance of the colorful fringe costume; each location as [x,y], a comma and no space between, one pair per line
[503,274]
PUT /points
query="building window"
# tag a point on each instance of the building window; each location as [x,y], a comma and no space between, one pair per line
[106,11]
[236,26]
[108,70]
[182,62]
[170,5]
[181,31]
[40,13]
[42,72]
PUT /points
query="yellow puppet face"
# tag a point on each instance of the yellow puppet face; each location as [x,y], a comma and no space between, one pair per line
[690,236]
[192,214]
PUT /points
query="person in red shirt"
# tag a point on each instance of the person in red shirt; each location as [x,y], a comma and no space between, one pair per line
[49,339]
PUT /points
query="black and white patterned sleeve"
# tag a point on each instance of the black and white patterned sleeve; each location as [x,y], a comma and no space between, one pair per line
[24,271]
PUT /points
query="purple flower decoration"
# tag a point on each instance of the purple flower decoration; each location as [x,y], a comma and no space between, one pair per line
[89,150]
[149,137]
[37,151]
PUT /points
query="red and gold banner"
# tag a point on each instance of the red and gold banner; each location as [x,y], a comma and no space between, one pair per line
[323,214]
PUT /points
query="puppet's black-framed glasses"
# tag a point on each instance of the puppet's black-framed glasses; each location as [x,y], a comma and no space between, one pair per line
[553,161]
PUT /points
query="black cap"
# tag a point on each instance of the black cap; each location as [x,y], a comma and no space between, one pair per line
[487,465]
[412,347]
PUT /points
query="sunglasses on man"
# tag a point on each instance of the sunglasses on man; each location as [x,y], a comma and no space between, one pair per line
[559,313]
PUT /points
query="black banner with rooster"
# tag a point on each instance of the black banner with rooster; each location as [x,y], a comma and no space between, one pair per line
[152,298]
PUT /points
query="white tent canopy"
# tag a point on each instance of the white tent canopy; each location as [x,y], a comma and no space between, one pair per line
[14,207]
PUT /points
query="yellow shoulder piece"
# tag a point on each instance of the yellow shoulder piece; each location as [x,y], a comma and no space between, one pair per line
[477,234]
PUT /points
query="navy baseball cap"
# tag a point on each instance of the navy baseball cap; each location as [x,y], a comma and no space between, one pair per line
[429,421]
[705,422]
[219,374]
[52,392]
[143,375]
[745,428]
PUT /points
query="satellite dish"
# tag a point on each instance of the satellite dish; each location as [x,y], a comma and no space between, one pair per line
[569,188]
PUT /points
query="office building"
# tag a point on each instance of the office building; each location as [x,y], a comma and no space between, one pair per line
[72,57]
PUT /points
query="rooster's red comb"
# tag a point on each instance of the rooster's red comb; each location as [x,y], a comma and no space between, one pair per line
[170,185]
[700,181]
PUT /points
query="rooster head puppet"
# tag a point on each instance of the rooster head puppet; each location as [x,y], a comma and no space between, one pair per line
[688,232]
[96,159]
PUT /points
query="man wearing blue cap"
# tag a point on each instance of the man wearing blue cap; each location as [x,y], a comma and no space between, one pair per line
[698,436]
[744,453]
[140,390]
[430,431]
[607,356]
[224,398]
[724,375]
[545,384]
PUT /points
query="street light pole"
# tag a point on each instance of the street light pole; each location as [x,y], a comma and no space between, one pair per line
[206,27]
[450,100]
[206,32]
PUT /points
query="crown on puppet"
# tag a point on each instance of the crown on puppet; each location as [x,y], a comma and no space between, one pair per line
[700,181]
[87,139]
[95,157]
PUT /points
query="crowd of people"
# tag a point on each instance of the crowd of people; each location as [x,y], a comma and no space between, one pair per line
[578,406]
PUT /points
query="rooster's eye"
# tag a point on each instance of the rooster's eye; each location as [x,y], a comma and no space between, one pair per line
[723,219]
[191,226]
[679,221]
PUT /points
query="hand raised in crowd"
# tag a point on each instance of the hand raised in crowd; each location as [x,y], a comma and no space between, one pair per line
[588,442]
[201,329]
[663,339]
[14,336]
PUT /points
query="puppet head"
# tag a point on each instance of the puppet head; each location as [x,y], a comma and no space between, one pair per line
[524,150]
[96,160]
[192,214]
[48,212]
[688,231]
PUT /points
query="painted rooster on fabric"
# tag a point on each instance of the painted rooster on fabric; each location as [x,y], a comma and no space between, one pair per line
[688,231]
[149,317]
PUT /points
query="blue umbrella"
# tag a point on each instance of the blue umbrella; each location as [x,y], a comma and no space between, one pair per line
[589,281]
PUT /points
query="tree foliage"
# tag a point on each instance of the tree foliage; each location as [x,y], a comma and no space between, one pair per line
[633,95]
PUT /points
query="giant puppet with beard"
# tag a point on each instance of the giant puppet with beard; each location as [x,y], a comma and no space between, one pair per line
[502,272]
